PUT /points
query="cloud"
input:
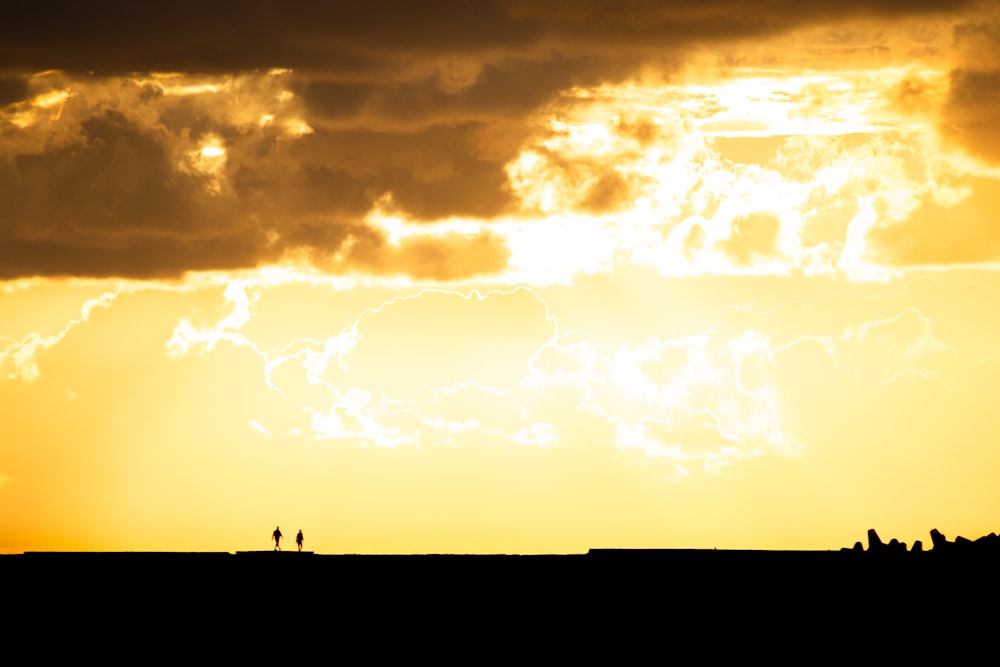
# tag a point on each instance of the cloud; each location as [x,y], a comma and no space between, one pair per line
[958,230]
[448,338]
[441,258]
[882,349]
[257,426]
[431,172]
[444,368]
[684,440]
[104,188]
[971,111]
[450,375]
[753,236]
[13,89]
[231,136]
[706,399]
[20,358]
[508,88]
[971,114]
[359,37]
[155,177]
[488,407]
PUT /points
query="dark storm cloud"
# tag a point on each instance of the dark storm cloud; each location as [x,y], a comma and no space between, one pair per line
[13,89]
[186,35]
[337,100]
[134,257]
[431,173]
[972,113]
[223,36]
[509,88]
[112,196]
[112,204]
[117,176]
[415,107]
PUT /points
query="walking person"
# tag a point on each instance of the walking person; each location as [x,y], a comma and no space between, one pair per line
[276,536]
[299,539]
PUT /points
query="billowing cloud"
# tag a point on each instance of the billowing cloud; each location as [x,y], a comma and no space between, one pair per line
[153,148]
[160,176]
[972,109]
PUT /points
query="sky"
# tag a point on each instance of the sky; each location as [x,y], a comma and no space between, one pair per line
[501,276]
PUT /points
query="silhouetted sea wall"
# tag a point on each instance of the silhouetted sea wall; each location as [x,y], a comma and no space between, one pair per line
[798,577]
[731,603]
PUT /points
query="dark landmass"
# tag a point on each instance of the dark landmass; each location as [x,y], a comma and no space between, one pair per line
[838,598]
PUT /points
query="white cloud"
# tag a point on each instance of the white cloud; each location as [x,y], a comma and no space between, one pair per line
[22,357]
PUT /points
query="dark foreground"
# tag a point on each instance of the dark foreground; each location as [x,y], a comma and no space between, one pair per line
[567,604]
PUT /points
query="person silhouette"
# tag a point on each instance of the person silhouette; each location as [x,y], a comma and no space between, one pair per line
[298,539]
[276,536]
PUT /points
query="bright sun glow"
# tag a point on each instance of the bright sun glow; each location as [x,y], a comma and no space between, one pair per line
[213,151]
[660,187]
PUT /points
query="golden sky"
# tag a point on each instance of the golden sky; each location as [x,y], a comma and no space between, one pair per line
[498,276]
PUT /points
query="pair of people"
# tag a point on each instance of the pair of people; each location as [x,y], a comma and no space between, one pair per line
[276,536]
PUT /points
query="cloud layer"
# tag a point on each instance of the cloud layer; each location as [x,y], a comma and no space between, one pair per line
[223,137]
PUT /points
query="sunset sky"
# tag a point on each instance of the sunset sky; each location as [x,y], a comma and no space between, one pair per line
[502,276]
